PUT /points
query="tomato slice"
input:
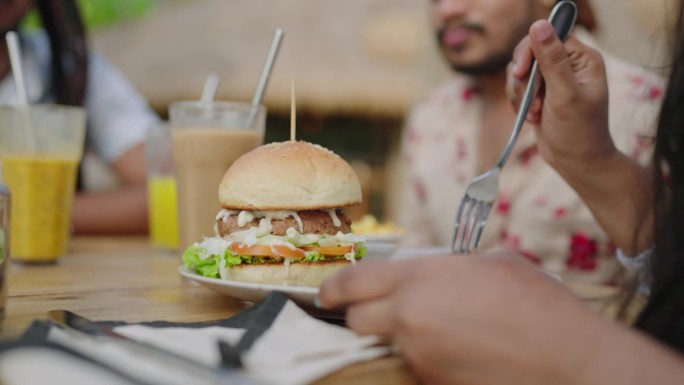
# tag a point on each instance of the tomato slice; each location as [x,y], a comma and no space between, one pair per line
[332,250]
[266,251]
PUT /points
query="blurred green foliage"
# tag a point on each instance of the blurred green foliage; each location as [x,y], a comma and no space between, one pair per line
[99,13]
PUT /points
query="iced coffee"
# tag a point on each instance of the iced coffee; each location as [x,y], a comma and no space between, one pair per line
[207,139]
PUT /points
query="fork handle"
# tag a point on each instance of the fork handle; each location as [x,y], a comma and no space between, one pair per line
[563,17]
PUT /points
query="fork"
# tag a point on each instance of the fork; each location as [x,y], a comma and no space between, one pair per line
[479,197]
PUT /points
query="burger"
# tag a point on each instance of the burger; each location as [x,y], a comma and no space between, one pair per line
[281,220]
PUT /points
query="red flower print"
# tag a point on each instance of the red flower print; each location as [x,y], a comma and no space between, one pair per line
[420,190]
[560,213]
[531,257]
[583,252]
[469,93]
[645,90]
[527,155]
[654,93]
[510,241]
[503,205]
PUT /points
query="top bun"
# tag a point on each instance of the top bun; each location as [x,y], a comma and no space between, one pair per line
[289,176]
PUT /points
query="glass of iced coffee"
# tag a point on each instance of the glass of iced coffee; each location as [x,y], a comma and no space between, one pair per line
[40,149]
[207,139]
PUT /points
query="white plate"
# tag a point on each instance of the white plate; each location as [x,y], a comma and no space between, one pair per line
[252,292]
[418,252]
[380,249]
[382,237]
[381,245]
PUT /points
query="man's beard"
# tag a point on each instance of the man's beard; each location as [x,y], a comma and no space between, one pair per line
[493,64]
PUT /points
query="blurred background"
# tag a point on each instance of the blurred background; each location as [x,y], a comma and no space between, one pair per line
[359,65]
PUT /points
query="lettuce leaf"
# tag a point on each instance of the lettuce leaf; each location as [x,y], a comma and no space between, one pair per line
[313,256]
[360,250]
[209,266]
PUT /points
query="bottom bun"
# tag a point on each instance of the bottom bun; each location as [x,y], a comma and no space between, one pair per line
[298,274]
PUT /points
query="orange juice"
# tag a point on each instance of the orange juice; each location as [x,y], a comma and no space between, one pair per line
[161,190]
[42,189]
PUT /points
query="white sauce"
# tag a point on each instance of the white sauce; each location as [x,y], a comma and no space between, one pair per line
[213,246]
[262,234]
[300,239]
[245,216]
[287,270]
[222,266]
[250,238]
[350,257]
[223,213]
[333,216]
[265,226]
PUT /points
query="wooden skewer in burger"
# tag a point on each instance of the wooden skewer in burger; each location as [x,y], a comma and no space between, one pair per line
[281,221]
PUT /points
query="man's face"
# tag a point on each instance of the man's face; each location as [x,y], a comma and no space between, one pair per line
[11,13]
[478,37]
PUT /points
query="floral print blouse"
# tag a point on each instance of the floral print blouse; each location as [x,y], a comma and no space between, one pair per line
[537,214]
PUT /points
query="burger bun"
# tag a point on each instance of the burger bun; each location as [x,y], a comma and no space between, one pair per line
[310,274]
[289,176]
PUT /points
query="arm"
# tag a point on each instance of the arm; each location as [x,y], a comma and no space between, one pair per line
[494,319]
[118,117]
[618,191]
[123,211]
[625,357]
[571,123]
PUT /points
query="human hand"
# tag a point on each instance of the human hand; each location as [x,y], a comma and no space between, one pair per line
[570,113]
[462,319]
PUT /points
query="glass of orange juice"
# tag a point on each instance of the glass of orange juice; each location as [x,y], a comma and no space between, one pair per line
[161,188]
[40,149]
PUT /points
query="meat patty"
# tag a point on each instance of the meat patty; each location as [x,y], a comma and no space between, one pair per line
[314,222]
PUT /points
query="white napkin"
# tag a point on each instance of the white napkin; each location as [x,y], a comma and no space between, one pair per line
[295,349]
[298,349]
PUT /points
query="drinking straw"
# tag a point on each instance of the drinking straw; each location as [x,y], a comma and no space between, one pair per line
[293,113]
[17,71]
[209,90]
[18,74]
[265,74]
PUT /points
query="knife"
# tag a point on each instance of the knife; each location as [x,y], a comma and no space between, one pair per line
[79,326]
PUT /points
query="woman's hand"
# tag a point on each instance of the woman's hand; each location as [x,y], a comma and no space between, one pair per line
[462,319]
[570,113]
[570,116]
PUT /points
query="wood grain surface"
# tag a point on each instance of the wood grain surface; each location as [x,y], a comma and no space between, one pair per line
[126,279]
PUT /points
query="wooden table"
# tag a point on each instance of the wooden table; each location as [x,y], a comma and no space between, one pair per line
[126,279]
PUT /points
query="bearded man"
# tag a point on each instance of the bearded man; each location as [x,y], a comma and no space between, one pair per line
[460,129]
